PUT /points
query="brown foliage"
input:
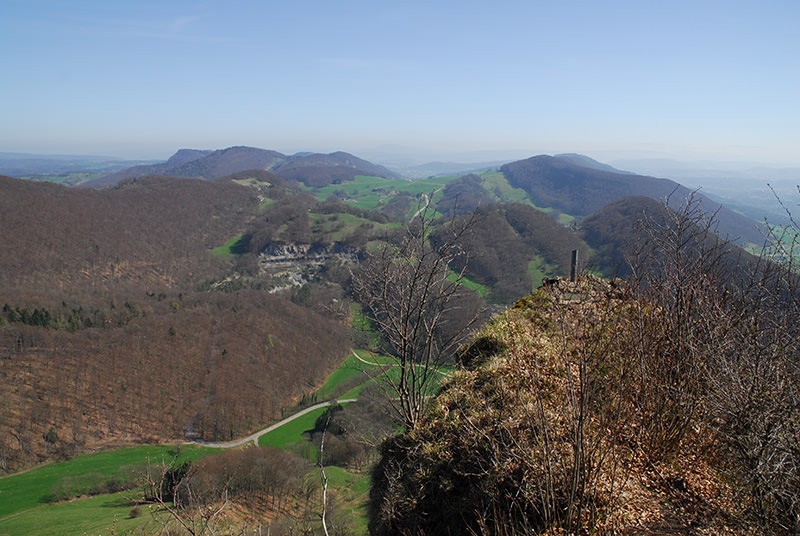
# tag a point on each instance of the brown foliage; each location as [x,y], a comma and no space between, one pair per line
[504,241]
[107,339]
[667,405]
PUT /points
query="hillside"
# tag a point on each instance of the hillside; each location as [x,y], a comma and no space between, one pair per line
[156,231]
[324,169]
[571,185]
[596,408]
[111,330]
[514,247]
[197,164]
[312,169]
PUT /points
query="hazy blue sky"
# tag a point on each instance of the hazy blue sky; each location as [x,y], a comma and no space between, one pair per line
[684,79]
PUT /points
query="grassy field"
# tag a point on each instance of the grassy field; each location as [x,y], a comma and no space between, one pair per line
[339,226]
[496,183]
[27,495]
[478,288]
[290,436]
[371,192]
[538,269]
[103,514]
[25,506]
[352,494]
[229,249]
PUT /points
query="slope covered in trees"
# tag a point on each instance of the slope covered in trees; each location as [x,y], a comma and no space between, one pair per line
[591,408]
[572,186]
[514,246]
[108,329]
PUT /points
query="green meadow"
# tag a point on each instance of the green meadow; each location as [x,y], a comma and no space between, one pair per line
[26,498]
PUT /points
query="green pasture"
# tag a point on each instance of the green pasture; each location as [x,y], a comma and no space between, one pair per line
[252,181]
[370,192]
[102,514]
[496,183]
[35,488]
[539,269]
[352,494]
[346,381]
[470,284]
[229,249]
[25,506]
[339,226]
[290,435]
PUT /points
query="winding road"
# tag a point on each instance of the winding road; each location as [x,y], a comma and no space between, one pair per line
[254,437]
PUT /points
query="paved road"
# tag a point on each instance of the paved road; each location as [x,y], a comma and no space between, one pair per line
[254,437]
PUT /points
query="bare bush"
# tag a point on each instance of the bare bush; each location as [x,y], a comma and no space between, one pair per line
[410,293]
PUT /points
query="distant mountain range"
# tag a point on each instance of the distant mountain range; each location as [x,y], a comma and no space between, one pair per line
[570,183]
[309,168]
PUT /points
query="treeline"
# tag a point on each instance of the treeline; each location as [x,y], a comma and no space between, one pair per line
[265,477]
[70,318]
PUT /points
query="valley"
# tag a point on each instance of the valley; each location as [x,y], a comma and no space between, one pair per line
[166,312]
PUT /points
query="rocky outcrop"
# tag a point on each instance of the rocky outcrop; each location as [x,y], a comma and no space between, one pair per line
[293,265]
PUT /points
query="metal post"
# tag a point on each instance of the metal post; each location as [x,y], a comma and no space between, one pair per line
[573,270]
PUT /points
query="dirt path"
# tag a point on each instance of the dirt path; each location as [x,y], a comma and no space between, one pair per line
[390,365]
[254,437]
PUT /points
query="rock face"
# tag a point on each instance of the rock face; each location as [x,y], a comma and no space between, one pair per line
[285,266]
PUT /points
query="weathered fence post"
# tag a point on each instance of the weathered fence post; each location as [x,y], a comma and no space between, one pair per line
[573,270]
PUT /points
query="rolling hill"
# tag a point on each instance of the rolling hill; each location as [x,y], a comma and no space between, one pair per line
[112,280]
[312,169]
[578,187]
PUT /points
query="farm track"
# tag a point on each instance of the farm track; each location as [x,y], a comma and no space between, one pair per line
[255,436]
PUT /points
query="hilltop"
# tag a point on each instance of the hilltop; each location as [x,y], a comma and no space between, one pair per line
[312,169]
[581,186]
[596,407]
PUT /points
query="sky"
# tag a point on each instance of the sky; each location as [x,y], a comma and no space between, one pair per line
[610,79]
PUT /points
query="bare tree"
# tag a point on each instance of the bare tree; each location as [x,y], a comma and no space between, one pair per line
[411,293]
[725,356]
[162,486]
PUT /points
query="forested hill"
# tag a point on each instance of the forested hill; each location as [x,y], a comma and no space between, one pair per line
[310,168]
[579,188]
[155,231]
[112,331]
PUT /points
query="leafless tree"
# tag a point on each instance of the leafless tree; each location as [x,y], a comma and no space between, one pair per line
[726,355]
[410,292]
[161,487]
